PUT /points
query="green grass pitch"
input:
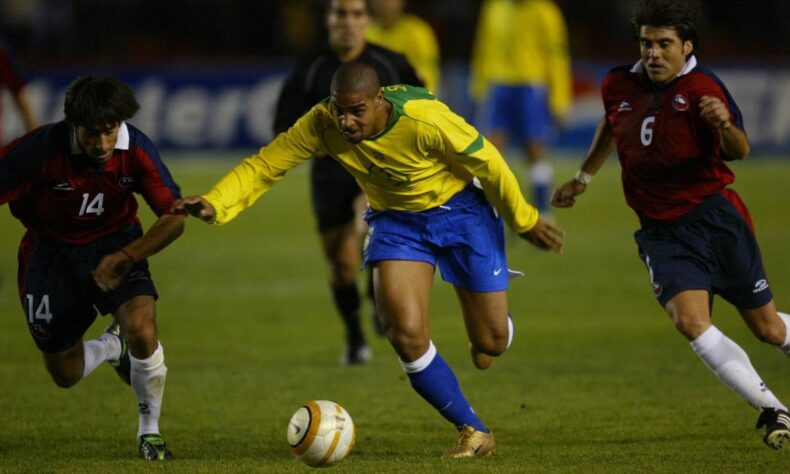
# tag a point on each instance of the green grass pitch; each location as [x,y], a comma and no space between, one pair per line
[597,379]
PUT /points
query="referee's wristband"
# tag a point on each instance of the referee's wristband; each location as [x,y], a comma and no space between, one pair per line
[583,177]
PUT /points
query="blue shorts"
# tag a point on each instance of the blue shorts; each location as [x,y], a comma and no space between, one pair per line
[57,291]
[520,111]
[712,248]
[465,236]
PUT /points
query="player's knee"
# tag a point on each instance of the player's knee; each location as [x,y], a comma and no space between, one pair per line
[691,328]
[494,345]
[408,344]
[64,378]
[773,334]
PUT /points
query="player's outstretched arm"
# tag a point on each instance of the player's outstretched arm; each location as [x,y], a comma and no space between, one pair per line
[545,235]
[600,149]
[195,206]
[113,267]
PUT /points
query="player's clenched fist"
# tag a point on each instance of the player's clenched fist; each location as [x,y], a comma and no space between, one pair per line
[714,111]
[195,206]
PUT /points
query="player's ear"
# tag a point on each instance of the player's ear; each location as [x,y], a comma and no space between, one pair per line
[688,47]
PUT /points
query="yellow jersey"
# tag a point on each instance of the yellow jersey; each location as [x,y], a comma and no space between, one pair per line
[413,37]
[522,42]
[424,156]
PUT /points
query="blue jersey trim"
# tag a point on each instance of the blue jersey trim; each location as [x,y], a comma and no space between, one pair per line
[139,139]
[738,118]
[25,156]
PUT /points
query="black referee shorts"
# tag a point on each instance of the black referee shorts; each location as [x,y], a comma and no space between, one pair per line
[333,192]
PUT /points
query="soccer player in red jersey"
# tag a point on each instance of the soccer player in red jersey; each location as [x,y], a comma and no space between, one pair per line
[72,185]
[674,125]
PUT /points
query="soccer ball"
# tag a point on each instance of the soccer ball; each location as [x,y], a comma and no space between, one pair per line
[321,433]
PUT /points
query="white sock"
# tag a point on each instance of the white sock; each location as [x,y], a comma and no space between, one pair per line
[542,173]
[106,347]
[510,331]
[732,366]
[785,347]
[148,383]
[422,362]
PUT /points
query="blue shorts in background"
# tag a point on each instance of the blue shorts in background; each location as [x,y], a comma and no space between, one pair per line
[520,111]
[464,236]
[712,248]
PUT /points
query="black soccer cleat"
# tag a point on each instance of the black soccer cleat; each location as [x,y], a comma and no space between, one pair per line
[777,426]
[356,355]
[122,366]
[154,448]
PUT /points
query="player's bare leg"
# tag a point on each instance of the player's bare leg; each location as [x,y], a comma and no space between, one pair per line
[772,327]
[487,324]
[137,318]
[690,312]
[403,294]
[74,364]
[360,207]
[769,325]
[341,247]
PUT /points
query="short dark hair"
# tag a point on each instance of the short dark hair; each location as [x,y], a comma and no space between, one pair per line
[99,100]
[685,16]
[328,6]
[355,76]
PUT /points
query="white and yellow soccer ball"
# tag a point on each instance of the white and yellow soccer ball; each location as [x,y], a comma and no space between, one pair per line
[321,433]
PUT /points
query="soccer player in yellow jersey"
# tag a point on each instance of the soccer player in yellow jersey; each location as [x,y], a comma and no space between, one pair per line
[521,78]
[416,162]
[407,34]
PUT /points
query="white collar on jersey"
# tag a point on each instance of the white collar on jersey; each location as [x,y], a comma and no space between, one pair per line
[690,64]
[121,144]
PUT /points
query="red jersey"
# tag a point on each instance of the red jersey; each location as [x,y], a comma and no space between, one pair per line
[56,191]
[671,158]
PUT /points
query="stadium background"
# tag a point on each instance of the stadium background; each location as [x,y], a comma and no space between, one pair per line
[596,381]
[208,72]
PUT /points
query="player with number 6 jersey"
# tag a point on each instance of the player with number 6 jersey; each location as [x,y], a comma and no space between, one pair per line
[674,125]
[72,184]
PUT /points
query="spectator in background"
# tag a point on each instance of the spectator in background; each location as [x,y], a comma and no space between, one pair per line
[11,79]
[407,34]
[338,202]
[521,78]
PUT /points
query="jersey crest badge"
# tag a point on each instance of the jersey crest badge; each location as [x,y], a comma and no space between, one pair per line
[125,182]
[680,103]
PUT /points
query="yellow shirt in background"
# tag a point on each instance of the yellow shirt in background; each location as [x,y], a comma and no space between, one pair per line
[424,156]
[413,37]
[523,42]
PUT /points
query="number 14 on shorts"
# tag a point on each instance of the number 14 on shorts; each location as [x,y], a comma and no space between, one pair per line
[38,312]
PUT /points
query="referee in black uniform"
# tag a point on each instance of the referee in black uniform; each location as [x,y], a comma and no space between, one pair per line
[338,202]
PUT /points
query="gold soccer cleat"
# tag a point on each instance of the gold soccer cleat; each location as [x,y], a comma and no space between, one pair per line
[473,443]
